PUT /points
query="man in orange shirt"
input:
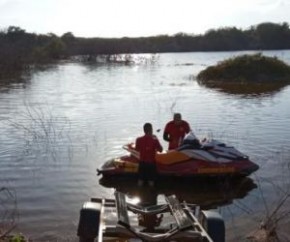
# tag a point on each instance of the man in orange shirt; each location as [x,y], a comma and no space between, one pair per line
[147,145]
[175,131]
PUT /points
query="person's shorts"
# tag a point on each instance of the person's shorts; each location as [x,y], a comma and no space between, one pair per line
[147,171]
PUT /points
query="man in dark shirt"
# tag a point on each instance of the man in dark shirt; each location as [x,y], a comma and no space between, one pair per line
[147,145]
[175,131]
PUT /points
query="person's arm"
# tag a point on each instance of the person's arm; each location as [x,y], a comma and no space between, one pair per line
[137,145]
[187,129]
[166,135]
[159,146]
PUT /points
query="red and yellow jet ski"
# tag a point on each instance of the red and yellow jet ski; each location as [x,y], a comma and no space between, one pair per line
[193,158]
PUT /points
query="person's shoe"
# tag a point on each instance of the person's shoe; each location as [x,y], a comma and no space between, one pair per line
[140,183]
[151,183]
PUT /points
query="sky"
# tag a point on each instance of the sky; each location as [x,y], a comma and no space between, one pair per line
[137,18]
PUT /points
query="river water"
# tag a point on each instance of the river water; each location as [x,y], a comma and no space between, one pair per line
[61,123]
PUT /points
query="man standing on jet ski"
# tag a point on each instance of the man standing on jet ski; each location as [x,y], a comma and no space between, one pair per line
[175,131]
[147,145]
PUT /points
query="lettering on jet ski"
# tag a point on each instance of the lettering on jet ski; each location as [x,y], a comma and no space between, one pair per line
[216,170]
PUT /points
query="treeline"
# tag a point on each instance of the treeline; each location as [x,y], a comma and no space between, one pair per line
[265,36]
[19,49]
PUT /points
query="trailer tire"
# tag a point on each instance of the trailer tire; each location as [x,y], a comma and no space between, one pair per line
[214,225]
[88,227]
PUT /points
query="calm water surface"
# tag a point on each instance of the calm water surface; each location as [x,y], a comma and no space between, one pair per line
[66,120]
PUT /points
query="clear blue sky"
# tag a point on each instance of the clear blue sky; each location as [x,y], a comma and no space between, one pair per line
[135,18]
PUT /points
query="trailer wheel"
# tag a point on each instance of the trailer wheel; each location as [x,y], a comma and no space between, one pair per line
[214,225]
[88,227]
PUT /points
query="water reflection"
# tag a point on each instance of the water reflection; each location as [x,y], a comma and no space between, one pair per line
[119,59]
[206,193]
[148,197]
[246,89]
[16,82]
[21,79]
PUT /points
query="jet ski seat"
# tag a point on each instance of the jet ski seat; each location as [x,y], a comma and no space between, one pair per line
[190,144]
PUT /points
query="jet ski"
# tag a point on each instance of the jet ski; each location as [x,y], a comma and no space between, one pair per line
[194,158]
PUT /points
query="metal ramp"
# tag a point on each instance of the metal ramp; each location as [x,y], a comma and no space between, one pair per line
[179,212]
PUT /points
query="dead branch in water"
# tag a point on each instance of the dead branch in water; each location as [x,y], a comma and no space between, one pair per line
[269,229]
[8,211]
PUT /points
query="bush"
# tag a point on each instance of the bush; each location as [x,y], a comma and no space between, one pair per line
[247,68]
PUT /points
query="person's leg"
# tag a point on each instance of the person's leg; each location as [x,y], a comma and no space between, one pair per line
[141,173]
[152,174]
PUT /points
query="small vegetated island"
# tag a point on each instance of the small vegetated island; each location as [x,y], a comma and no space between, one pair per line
[247,74]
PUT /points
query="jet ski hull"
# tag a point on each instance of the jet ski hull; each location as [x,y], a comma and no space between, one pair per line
[128,166]
[210,160]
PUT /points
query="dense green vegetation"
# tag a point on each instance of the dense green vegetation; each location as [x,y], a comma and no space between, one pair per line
[247,68]
[247,75]
[20,50]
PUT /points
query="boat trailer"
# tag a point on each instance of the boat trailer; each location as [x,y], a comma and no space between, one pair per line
[106,219]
